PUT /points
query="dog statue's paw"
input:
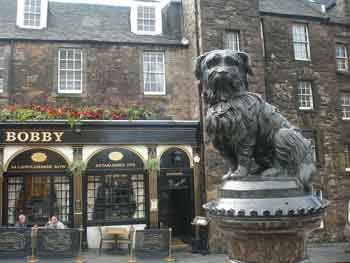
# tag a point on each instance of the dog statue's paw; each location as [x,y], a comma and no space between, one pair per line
[240,172]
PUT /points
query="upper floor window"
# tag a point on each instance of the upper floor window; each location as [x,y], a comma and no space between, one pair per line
[301,42]
[146,19]
[345,106]
[2,69]
[70,70]
[154,73]
[231,40]
[347,157]
[32,10]
[32,13]
[305,96]
[341,55]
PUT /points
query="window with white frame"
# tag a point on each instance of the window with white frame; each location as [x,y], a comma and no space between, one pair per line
[301,42]
[32,13]
[154,73]
[345,106]
[341,55]
[232,40]
[70,70]
[146,19]
[305,97]
[2,69]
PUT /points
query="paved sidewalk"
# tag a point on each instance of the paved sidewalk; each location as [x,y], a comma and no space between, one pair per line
[319,253]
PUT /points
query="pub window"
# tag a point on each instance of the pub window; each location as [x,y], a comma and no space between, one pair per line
[301,42]
[116,197]
[115,188]
[174,158]
[305,97]
[341,55]
[231,40]
[70,70]
[37,191]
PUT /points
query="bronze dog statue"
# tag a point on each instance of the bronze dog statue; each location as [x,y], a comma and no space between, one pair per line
[249,132]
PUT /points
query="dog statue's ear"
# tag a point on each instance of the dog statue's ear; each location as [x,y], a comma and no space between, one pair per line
[246,61]
[198,65]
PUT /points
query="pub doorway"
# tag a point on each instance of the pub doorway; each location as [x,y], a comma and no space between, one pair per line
[175,193]
[37,184]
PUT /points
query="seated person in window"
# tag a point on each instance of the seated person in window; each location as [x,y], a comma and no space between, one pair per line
[22,221]
[54,224]
[114,199]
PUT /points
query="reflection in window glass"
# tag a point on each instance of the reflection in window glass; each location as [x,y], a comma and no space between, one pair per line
[115,197]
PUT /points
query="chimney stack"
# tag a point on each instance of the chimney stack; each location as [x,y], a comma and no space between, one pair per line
[343,8]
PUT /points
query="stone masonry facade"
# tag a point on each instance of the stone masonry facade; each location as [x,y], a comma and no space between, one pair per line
[268,38]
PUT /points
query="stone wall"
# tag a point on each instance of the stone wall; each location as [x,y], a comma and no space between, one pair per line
[113,76]
[276,74]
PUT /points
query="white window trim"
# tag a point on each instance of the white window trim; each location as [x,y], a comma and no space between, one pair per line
[342,104]
[144,79]
[59,91]
[346,58]
[43,15]
[307,41]
[133,19]
[312,96]
[237,39]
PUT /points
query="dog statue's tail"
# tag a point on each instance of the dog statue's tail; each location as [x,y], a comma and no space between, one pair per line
[294,153]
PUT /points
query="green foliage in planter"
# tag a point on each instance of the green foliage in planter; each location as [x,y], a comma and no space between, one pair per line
[152,164]
[77,167]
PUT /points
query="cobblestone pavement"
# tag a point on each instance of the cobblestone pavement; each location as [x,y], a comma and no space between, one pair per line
[319,253]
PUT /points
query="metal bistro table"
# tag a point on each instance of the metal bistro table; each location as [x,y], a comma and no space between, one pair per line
[121,235]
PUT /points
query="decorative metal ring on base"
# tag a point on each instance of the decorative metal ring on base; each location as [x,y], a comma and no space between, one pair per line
[170,259]
[79,259]
[32,259]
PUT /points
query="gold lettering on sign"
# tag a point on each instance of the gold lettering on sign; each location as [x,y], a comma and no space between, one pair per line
[46,137]
[23,136]
[58,136]
[33,136]
[10,136]
[115,156]
[39,157]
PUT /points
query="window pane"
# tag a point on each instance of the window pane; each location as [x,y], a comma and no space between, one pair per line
[154,76]
[32,12]
[305,95]
[115,197]
[345,105]
[146,19]
[70,70]
[341,58]
[301,42]
[232,41]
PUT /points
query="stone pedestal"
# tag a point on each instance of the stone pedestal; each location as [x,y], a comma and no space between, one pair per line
[266,221]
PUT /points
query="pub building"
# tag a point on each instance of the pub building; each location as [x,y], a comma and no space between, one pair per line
[99,173]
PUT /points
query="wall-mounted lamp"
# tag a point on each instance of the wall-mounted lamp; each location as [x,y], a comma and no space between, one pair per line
[196,158]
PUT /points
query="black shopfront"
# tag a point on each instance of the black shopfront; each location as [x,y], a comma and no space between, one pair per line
[113,187]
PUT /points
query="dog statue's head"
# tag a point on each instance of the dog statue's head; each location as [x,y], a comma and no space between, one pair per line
[223,73]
